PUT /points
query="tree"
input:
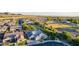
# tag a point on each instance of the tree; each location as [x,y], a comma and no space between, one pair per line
[21,42]
[8,28]
[50,33]
[11,44]
[25,26]
[76,41]
[16,22]
[36,23]
[58,19]
[6,13]
[32,27]
[67,36]
[31,19]
[76,21]
[49,18]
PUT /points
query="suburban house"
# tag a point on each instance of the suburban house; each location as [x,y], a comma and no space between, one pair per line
[35,35]
[4,28]
[12,37]
[20,21]
[1,36]
[29,22]
[18,28]
[12,28]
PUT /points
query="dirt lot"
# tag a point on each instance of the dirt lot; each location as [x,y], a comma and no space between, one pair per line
[58,25]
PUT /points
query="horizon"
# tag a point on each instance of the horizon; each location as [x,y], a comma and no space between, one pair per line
[49,13]
[66,14]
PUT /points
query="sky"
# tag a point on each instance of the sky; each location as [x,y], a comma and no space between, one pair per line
[51,13]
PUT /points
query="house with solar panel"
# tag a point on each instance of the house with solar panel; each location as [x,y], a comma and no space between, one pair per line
[35,35]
